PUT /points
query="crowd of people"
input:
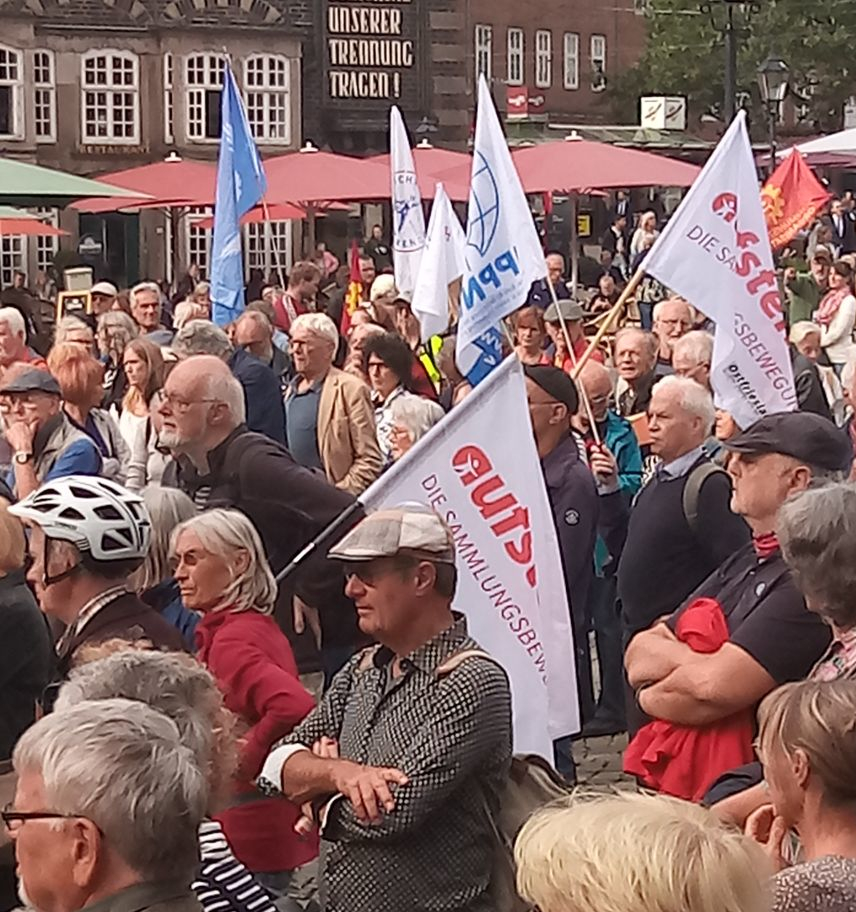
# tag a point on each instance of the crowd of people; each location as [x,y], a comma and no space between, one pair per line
[193,721]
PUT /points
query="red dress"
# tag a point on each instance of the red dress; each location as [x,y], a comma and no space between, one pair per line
[251,660]
[681,760]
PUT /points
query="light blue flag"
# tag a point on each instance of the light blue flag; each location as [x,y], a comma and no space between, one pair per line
[503,252]
[241,183]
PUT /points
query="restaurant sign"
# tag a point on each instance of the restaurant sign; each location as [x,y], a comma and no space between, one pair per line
[370,49]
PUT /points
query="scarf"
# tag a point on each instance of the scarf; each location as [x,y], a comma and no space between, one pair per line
[765,545]
[829,305]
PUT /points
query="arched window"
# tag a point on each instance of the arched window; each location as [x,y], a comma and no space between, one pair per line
[204,80]
[11,94]
[110,97]
[268,97]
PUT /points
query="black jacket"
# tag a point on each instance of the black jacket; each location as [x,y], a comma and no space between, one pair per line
[26,659]
[262,393]
[809,388]
[289,505]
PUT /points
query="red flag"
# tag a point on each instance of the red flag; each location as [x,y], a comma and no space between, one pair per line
[792,197]
[354,294]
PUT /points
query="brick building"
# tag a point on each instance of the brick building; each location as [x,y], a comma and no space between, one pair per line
[93,86]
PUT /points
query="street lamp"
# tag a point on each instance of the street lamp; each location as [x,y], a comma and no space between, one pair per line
[724,19]
[773,77]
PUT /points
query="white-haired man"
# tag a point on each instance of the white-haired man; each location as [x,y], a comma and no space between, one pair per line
[106,811]
[13,341]
[329,418]
[221,463]
[262,395]
[692,356]
[681,526]
[147,311]
[673,318]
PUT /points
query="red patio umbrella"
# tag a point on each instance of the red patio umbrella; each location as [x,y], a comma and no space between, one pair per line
[17,221]
[278,212]
[433,164]
[573,165]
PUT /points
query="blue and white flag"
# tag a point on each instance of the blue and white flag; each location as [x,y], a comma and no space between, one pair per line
[503,253]
[241,183]
[408,219]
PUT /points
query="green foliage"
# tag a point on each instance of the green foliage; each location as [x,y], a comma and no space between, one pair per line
[685,55]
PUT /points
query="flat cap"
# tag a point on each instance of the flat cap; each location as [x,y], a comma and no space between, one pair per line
[570,310]
[810,438]
[31,380]
[104,288]
[401,530]
[555,383]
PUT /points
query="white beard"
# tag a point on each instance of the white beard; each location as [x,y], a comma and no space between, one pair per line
[22,895]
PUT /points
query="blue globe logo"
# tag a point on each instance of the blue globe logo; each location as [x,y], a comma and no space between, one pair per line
[484,207]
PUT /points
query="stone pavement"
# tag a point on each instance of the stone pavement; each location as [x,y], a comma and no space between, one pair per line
[599,763]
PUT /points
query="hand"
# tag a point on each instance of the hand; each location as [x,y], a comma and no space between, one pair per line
[19,435]
[769,831]
[790,274]
[603,465]
[325,747]
[305,614]
[367,788]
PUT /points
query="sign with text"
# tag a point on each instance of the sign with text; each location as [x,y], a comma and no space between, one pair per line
[370,49]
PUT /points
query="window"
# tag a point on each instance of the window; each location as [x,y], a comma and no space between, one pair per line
[46,247]
[11,94]
[515,56]
[111,97]
[204,82]
[267,245]
[543,59]
[44,99]
[13,255]
[598,63]
[198,240]
[572,60]
[484,50]
[266,86]
[168,100]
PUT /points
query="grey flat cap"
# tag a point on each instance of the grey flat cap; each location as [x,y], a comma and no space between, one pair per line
[31,380]
[570,310]
[386,533]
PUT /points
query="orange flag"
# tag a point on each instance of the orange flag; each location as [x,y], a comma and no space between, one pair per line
[354,294]
[792,197]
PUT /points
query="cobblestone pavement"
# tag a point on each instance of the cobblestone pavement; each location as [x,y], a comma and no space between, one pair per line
[599,763]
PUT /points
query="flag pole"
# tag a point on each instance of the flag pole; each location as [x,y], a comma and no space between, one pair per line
[610,317]
[277,264]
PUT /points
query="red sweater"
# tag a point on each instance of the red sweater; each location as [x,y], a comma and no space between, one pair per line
[252,662]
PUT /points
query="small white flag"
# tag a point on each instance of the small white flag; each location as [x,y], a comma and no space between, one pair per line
[503,253]
[715,252]
[442,263]
[408,219]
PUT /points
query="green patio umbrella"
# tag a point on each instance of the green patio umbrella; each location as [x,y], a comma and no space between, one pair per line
[23,184]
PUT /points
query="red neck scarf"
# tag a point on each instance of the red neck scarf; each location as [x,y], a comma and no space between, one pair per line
[765,545]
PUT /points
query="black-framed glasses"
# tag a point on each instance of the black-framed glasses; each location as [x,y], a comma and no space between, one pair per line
[13,819]
[369,572]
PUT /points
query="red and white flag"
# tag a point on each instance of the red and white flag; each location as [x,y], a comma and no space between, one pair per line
[715,252]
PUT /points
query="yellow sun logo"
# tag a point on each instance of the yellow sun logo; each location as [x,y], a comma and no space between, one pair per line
[774,206]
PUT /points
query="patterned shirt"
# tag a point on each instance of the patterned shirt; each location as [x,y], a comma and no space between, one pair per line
[826,884]
[451,735]
[87,612]
[839,660]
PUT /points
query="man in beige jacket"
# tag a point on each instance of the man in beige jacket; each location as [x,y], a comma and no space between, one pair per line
[330,422]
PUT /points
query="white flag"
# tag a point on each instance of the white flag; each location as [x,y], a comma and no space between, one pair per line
[442,263]
[487,484]
[408,219]
[504,256]
[715,252]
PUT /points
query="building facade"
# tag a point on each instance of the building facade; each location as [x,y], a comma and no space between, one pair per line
[94,86]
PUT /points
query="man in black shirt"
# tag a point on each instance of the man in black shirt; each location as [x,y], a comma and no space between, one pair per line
[681,527]
[773,637]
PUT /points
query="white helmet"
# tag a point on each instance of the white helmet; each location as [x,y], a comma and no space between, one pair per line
[96,515]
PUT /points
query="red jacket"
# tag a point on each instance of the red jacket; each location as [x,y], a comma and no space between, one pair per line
[252,662]
[679,760]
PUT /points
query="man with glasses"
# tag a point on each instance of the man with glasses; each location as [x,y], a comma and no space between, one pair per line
[409,750]
[673,318]
[44,443]
[106,811]
[692,356]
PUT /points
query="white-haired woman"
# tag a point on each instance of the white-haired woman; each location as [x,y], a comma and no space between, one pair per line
[637,853]
[222,573]
[412,418]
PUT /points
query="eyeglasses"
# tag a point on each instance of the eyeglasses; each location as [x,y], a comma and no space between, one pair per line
[682,323]
[375,365]
[13,820]
[179,403]
[370,572]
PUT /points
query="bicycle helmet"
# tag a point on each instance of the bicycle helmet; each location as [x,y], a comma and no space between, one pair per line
[97,516]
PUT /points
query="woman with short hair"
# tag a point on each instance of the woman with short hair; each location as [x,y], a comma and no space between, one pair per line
[636,853]
[222,573]
[530,334]
[807,744]
[81,381]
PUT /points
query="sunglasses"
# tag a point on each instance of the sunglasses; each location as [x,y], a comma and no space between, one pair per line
[372,571]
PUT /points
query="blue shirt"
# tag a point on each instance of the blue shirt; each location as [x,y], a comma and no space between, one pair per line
[81,457]
[301,423]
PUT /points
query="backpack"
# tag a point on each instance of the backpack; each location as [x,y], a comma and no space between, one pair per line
[692,491]
[532,784]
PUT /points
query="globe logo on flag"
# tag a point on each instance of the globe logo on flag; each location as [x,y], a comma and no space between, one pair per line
[408,235]
[484,207]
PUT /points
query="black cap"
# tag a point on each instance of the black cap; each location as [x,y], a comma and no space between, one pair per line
[31,380]
[803,435]
[555,383]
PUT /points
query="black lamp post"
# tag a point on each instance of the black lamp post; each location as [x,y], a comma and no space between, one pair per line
[773,77]
[730,18]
